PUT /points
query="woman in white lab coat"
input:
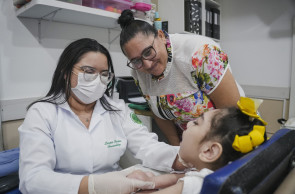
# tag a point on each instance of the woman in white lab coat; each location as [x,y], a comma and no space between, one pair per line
[72,139]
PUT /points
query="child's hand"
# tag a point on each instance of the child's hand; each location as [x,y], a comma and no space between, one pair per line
[140,175]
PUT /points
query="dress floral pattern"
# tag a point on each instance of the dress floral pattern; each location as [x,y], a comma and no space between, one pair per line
[208,67]
[184,107]
[210,64]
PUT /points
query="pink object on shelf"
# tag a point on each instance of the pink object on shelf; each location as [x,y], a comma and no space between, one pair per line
[142,6]
[109,5]
[110,8]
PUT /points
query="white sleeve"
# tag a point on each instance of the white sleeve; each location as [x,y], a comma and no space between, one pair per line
[145,145]
[37,155]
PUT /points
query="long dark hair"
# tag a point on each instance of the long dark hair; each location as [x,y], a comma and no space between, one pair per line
[224,127]
[131,27]
[61,84]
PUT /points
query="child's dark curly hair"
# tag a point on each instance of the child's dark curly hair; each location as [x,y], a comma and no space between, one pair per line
[224,127]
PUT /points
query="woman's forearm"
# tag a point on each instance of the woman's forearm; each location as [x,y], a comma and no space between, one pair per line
[227,93]
[169,130]
[83,189]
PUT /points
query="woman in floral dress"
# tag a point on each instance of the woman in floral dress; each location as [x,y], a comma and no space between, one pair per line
[180,75]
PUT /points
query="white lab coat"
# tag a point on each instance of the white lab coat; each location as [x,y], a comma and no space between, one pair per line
[57,150]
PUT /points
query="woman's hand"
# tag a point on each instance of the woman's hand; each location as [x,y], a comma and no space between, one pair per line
[116,182]
[160,181]
[144,176]
[141,175]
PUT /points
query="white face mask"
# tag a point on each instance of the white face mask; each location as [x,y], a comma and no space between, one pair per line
[89,92]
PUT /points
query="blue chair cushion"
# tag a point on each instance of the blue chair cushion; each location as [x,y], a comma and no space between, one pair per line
[9,161]
[260,171]
[13,191]
[9,165]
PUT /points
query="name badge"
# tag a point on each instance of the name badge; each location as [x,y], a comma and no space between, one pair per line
[113,143]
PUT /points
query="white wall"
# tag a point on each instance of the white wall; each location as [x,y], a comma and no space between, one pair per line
[173,12]
[26,66]
[257,35]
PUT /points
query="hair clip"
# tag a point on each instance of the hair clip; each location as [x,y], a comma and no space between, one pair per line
[246,143]
[250,106]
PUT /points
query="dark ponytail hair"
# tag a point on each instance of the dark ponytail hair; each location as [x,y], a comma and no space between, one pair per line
[224,127]
[131,27]
[72,54]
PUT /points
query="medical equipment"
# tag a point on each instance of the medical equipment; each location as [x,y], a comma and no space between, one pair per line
[128,91]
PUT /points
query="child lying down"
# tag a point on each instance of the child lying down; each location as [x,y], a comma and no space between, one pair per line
[209,143]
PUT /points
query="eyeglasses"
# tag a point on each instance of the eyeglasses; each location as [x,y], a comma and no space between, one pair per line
[90,74]
[147,54]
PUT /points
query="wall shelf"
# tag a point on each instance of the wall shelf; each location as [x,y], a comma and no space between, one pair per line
[212,3]
[59,11]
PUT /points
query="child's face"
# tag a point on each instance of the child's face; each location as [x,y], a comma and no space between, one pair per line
[193,135]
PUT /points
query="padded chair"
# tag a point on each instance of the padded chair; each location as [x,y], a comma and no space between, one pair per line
[261,171]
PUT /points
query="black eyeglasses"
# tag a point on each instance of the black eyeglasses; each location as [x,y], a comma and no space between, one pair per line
[147,54]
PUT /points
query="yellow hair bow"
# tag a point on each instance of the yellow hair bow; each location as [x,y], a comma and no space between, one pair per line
[249,107]
[246,143]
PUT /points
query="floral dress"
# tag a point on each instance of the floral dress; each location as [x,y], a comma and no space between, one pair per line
[195,67]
